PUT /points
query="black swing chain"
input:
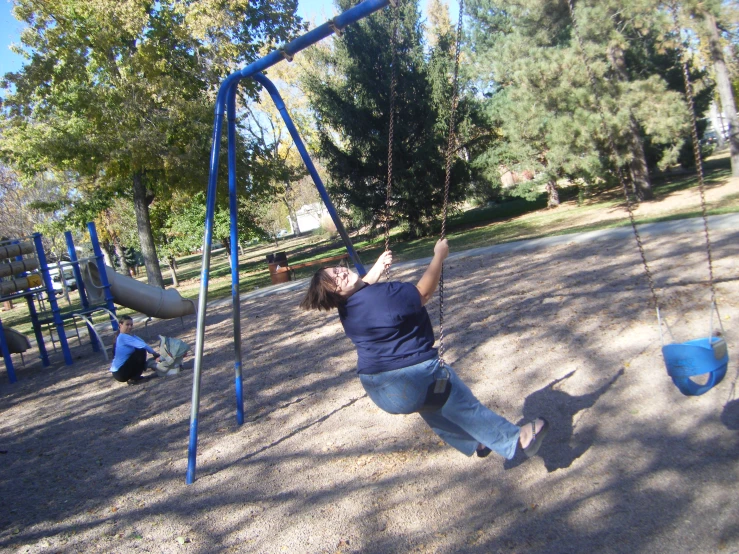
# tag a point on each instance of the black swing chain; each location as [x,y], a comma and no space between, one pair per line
[614,154]
[391,138]
[689,99]
[447,179]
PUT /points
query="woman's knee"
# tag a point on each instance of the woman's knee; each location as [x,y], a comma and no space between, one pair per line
[119,377]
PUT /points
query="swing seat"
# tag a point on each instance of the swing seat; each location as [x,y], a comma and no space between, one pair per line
[696,357]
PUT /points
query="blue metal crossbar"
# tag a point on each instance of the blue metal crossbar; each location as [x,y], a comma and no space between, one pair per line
[225,103]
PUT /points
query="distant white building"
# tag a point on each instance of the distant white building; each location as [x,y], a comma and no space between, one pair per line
[309,217]
[719,122]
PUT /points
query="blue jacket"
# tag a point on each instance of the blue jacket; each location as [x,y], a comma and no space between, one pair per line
[124,347]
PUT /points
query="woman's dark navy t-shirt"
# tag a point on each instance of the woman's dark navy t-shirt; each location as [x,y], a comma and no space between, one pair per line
[389,327]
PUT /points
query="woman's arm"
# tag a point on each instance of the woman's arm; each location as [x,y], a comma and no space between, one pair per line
[136,342]
[430,280]
[383,262]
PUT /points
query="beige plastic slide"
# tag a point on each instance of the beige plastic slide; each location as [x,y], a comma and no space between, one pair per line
[128,292]
[17,343]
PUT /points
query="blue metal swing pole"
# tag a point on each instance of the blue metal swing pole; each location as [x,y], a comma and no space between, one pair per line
[233,205]
[352,15]
[210,208]
[280,105]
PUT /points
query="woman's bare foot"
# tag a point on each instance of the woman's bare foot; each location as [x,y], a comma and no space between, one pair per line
[527,432]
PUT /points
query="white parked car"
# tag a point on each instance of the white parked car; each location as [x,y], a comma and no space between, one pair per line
[56,279]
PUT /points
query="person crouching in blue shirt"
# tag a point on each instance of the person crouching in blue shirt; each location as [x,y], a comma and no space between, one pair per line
[129,354]
[398,365]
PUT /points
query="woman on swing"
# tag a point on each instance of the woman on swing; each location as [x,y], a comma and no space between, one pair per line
[398,365]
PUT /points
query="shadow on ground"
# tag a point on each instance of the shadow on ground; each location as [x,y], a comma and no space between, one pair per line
[630,465]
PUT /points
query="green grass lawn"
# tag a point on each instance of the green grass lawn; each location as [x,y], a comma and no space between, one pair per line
[512,220]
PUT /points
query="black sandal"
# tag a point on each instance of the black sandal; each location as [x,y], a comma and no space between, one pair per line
[537,437]
[483,452]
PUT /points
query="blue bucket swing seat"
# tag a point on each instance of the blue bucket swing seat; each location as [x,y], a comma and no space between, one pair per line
[705,356]
[696,357]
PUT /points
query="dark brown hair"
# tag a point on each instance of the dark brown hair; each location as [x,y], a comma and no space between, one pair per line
[322,293]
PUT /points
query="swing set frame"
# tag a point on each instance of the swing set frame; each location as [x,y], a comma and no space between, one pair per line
[688,359]
[226,105]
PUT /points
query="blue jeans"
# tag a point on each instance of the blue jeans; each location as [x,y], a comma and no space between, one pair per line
[462,422]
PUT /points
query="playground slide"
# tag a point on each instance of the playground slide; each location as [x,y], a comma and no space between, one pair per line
[17,342]
[149,300]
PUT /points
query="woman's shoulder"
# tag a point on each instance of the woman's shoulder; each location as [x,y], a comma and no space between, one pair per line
[387,286]
[373,294]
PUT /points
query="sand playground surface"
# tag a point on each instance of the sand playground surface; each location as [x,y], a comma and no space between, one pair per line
[565,332]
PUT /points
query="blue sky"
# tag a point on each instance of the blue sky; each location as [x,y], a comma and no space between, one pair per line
[316,10]
[10,30]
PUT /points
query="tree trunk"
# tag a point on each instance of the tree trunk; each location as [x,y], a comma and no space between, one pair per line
[638,165]
[294,222]
[107,258]
[121,256]
[552,195]
[173,271]
[143,224]
[728,106]
[226,241]
[717,122]
[292,218]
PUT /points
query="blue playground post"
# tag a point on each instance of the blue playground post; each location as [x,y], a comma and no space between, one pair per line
[76,269]
[37,331]
[103,274]
[224,101]
[34,319]
[80,288]
[58,322]
[6,355]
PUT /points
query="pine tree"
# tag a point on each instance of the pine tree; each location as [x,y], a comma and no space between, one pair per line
[553,120]
[350,93]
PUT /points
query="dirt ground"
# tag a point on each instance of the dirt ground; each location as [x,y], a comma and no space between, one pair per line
[567,332]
